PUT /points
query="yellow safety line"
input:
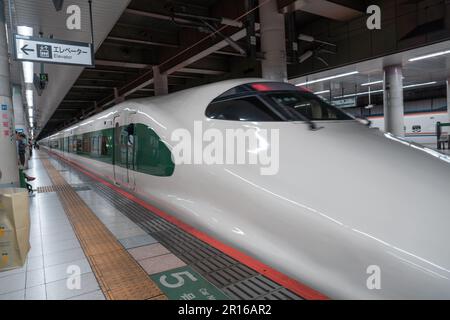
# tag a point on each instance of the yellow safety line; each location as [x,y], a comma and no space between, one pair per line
[119,275]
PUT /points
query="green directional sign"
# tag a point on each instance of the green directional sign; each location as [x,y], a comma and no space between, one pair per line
[43,77]
[186,284]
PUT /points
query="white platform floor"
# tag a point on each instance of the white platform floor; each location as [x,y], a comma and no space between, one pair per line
[55,247]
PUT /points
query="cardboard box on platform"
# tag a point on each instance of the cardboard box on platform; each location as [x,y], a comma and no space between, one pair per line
[14,228]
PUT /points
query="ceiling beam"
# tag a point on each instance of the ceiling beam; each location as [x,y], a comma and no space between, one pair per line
[147,90]
[122,64]
[92,87]
[144,42]
[78,101]
[96,79]
[106,70]
[155,15]
[174,66]
[202,71]
[323,8]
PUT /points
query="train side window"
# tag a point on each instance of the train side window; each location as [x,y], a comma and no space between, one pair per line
[104,146]
[241,109]
[417,128]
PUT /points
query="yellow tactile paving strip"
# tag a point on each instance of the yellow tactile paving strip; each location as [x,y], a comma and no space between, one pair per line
[119,275]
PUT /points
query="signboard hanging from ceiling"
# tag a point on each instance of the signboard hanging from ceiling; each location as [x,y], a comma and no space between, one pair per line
[52,51]
[344,103]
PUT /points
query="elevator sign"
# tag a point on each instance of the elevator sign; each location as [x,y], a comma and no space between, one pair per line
[52,51]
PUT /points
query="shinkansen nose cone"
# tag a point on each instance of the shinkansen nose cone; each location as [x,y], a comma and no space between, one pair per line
[366,209]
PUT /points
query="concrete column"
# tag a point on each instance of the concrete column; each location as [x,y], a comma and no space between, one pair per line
[160,82]
[117,98]
[393,101]
[9,170]
[273,41]
[20,114]
[448,100]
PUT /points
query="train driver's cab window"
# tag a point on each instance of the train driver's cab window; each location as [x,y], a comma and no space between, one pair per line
[249,108]
[300,105]
[272,101]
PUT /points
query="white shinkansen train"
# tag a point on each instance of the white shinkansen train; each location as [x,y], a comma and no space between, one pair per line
[322,219]
[419,127]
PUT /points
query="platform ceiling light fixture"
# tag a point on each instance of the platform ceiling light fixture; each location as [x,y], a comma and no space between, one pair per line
[431,55]
[419,85]
[372,83]
[29,96]
[308,54]
[307,38]
[322,92]
[328,78]
[30,112]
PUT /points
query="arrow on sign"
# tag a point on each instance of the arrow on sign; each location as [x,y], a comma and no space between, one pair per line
[26,50]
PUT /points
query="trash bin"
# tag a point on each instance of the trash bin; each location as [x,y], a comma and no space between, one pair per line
[14,228]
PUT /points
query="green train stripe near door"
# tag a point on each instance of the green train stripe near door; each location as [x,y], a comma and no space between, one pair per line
[142,152]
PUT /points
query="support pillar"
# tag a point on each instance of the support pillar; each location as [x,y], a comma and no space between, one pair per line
[160,82]
[117,98]
[448,100]
[20,116]
[273,41]
[9,170]
[393,101]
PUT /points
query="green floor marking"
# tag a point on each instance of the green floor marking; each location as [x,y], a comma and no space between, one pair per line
[186,284]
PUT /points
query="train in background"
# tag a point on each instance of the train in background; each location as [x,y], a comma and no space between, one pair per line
[420,127]
[315,220]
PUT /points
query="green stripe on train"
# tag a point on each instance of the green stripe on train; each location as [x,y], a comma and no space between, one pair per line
[142,152]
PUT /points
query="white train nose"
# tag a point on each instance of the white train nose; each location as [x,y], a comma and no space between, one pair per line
[386,204]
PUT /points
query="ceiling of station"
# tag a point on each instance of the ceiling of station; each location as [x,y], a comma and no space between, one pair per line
[428,74]
[42,17]
[132,36]
[146,35]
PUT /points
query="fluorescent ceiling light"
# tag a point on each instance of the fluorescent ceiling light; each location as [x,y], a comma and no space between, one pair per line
[29,96]
[28,71]
[419,85]
[30,112]
[306,56]
[306,38]
[378,91]
[25,31]
[328,78]
[372,83]
[322,92]
[431,55]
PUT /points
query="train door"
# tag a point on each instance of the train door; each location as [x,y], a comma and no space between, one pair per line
[119,162]
[131,144]
[124,150]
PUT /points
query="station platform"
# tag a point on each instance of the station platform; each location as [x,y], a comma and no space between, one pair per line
[90,242]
